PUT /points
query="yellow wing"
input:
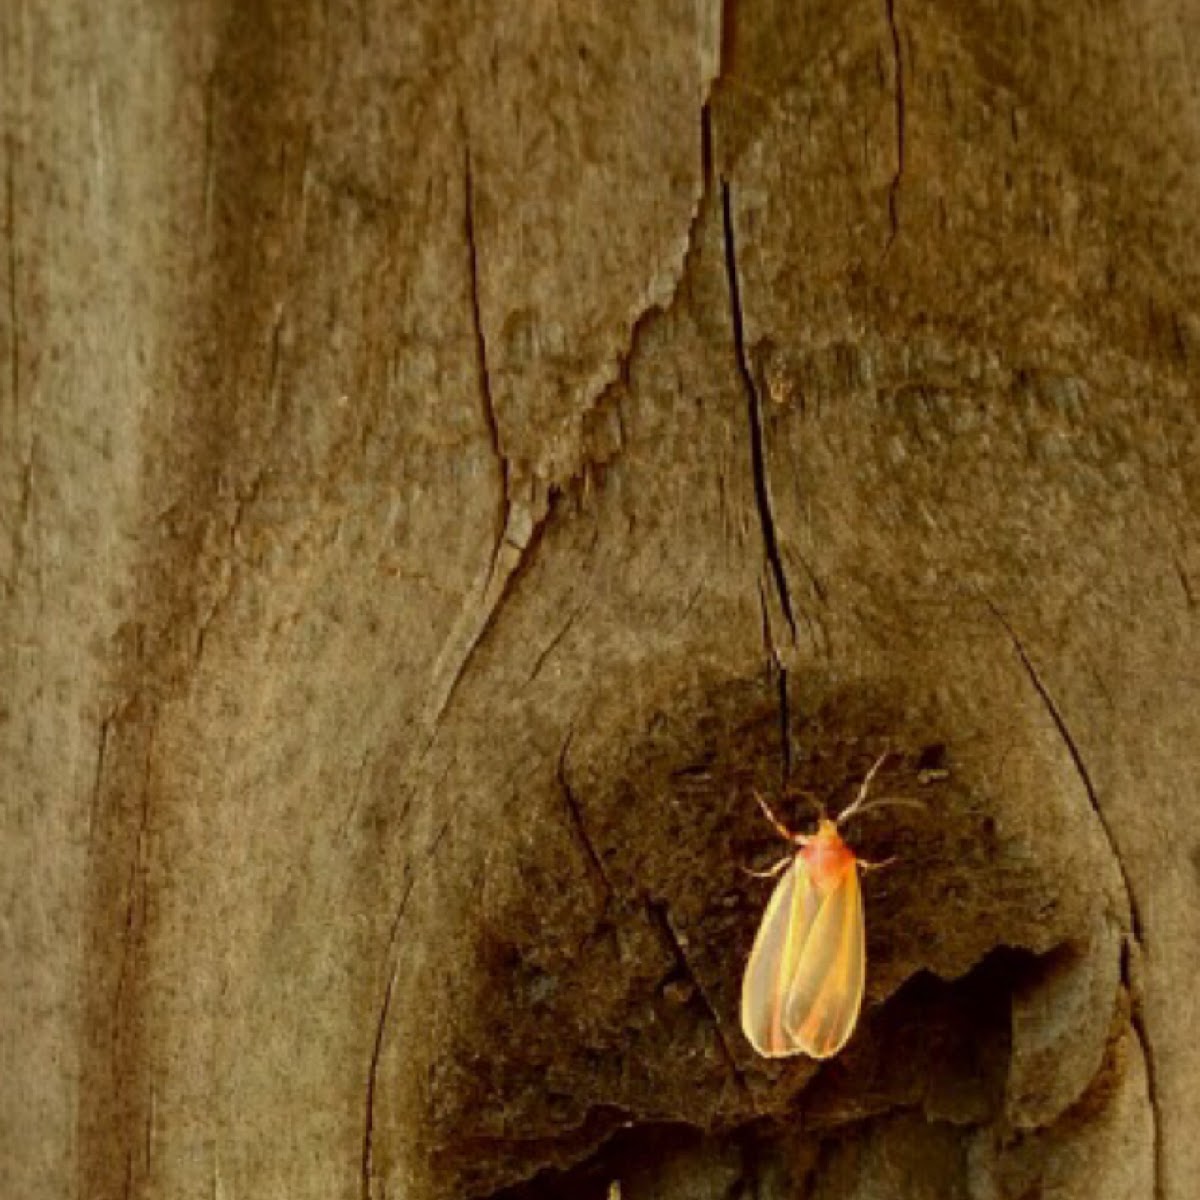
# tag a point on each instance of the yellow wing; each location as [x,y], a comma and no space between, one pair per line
[826,987]
[777,952]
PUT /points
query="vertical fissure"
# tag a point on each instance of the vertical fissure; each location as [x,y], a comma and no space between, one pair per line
[481,361]
[367,1164]
[1137,928]
[758,458]
[898,173]
[10,217]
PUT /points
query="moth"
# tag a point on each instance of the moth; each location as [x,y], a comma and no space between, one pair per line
[803,987]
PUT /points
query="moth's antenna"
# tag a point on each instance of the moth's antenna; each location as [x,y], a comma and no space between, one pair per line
[864,788]
[857,810]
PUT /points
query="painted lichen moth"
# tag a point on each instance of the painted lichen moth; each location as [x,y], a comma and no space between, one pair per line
[803,986]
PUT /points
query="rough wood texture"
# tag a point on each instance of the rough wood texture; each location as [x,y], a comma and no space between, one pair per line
[452,455]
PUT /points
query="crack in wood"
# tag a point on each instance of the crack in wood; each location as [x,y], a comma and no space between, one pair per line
[367,1162]
[1073,750]
[575,816]
[412,877]
[1137,1022]
[488,623]
[21,523]
[775,666]
[483,372]
[660,917]
[368,1147]
[1137,929]
[758,464]
[10,210]
[898,174]
[556,640]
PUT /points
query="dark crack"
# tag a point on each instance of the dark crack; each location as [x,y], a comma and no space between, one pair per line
[1138,1024]
[412,877]
[575,816]
[367,1165]
[556,640]
[758,463]
[10,216]
[208,174]
[135,903]
[660,918]
[21,523]
[1080,766]
[489,623]
[1137,1016]
[776,668]
[503,466]
[393,962]
[98,778]
[785,723]
[898,174]
[275,359]
[1185,583]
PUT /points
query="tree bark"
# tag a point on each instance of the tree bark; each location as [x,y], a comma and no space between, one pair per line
[453,456]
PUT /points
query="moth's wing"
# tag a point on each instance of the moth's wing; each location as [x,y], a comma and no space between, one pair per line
[823,1001]
[773,960]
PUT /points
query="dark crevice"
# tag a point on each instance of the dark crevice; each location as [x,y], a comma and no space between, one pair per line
[1137,1022]
[366,1168]
[1137,1017]
[276,359]
[556,640]
[689,606]
[898,174]
[660,918]
[21,522]
[14,328]
[776,668]
[372,1076]
[528,553]
[758,463]
[575,816]
[785,724]
[1080,766]
[208,172]
[481,365]
[1185,583]
[135,903]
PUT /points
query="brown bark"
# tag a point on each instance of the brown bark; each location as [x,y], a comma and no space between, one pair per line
[453,455]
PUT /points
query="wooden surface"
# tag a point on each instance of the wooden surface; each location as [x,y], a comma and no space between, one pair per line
[453,455]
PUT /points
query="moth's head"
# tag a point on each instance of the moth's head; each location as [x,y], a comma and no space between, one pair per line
[827,832]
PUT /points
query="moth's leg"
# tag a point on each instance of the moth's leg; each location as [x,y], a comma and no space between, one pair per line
[876,866]
[771,872]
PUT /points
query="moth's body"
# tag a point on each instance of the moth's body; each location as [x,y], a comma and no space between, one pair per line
[826,856]
[803,987]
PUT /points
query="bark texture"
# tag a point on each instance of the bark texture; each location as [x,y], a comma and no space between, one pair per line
[452,455]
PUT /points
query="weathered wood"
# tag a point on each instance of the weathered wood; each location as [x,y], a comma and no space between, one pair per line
[452,456]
